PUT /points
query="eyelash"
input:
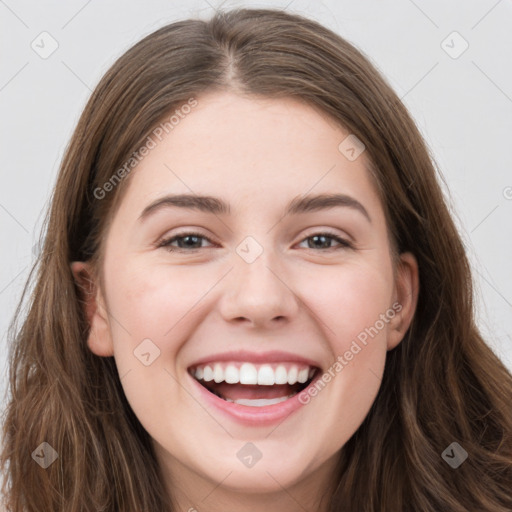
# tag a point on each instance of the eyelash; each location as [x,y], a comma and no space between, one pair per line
[344,244]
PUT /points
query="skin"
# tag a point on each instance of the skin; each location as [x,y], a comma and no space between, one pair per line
[296,296]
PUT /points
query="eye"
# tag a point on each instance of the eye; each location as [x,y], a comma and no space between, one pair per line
[187,242]
[324,239]
[190,241]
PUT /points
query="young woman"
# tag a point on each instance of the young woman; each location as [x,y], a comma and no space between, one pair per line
[252,295]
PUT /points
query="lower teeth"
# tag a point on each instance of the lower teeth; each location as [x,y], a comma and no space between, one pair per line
[259,402]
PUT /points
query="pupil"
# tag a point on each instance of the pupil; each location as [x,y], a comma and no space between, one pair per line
[316,237]
[190,237]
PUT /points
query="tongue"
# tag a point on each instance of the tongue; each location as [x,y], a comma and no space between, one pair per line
[241,391]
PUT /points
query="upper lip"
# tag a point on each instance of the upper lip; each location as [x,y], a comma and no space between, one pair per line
[273,356]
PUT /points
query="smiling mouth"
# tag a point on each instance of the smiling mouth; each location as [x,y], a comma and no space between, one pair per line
[254,385]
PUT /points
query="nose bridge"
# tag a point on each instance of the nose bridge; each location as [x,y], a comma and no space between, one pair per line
[257,290]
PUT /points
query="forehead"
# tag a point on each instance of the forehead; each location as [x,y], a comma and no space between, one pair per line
[251,151]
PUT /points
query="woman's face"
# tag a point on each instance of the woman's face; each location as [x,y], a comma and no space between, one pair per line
[261,292]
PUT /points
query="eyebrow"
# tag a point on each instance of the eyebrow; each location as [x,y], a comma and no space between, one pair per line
[216,206]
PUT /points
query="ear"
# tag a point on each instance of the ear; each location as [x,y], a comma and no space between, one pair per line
[405,298]
[99,339]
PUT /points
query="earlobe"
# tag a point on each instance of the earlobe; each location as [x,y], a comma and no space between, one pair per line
[91,299]
[406,296]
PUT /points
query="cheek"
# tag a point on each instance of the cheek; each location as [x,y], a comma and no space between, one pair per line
[351,302]
[151,312]
[349,299]
[360,346]
[150,301]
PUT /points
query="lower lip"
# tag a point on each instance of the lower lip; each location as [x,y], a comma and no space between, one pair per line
[265,415]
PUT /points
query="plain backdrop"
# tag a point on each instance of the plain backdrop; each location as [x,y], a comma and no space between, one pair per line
[450,62]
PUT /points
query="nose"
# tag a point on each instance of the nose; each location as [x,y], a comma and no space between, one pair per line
[258,294]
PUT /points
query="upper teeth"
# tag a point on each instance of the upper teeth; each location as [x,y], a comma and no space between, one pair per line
[248,373]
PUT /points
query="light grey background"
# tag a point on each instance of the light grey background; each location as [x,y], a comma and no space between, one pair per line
[462,104]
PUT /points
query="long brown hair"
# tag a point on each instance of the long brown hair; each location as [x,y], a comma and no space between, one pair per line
[442,383]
